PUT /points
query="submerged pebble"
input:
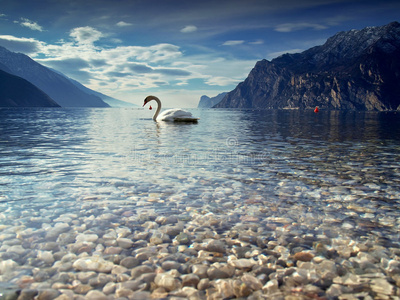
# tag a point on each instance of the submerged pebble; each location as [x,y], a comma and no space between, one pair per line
[213,255]
[289,221]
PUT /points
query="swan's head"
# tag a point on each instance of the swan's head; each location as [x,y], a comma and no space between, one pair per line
[148,99]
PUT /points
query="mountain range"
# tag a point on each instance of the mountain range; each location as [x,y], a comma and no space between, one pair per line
[18,92]
[353,70]
[53,86]
[207,102]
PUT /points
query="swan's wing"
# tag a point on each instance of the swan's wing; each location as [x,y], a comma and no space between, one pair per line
[172,114]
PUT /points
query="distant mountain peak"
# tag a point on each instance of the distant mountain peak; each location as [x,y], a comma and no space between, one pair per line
[56,86]
[356,69]
[344,45]
[207,102]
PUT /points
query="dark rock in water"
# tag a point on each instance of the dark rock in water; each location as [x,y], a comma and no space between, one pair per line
[183,239]
[353,70]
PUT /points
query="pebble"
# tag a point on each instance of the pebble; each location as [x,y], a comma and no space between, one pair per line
[129,262]
[48,294]
[306,241]
[137,271]
[94,263]
[243,263]
[124,243]
[167,281]
[87,237]
[95,295]
[190,280]
[200,270]
[303,256]
[46,256]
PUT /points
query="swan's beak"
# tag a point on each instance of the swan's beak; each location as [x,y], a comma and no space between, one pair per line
[145,102]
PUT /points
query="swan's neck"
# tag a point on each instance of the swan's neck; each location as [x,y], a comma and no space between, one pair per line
[158,108]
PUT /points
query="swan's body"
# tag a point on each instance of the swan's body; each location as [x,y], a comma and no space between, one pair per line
[171,115]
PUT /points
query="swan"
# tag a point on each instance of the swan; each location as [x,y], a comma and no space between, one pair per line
[172,115]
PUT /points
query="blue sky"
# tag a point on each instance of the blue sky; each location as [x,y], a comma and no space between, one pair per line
[176,50]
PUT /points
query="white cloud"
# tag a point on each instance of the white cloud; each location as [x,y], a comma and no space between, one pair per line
[258,42]
[289,27]
[188,29]
[126,71]
[233,43]
[24,45]
[123,24]
[29,24]
[222,81]
[85,35]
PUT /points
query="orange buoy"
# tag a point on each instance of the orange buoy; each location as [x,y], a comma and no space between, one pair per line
[316,109]
[150,107]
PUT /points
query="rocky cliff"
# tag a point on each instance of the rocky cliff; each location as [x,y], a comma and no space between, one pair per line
[206,102]
[357,70]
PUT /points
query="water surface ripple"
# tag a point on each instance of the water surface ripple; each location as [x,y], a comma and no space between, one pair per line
[331,177]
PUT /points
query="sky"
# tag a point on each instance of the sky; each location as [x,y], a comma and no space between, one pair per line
[176,50]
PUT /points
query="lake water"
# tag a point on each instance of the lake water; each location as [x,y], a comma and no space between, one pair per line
[334,176]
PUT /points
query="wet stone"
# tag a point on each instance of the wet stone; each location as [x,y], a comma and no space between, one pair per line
[124,243]
[169,265]
[283,234]
[182,239]
[109,288]
[242,263]
[87,237]
[167,281]
[131,285]
[200,270]
[203,284]
[124,293]
[129,262]
[381,286]
[190,280]
[215,273]
[48,294]
[241,289]
[303,256]
[25,294]
[113,250]
[137,271]
[94,263]
[225,288]
[95,295]
[215,246]
[167,220]
[82,289]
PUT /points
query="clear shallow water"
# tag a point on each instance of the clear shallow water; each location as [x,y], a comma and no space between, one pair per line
[336,172]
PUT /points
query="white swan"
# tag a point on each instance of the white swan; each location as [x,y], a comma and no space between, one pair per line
[172,115]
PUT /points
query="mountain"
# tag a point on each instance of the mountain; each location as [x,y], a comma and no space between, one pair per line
[107,99]
[206,102]
[115,102]
[356,70]
[58,87]
[18,92]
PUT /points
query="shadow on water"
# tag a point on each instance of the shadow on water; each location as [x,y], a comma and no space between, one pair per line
[331,126]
